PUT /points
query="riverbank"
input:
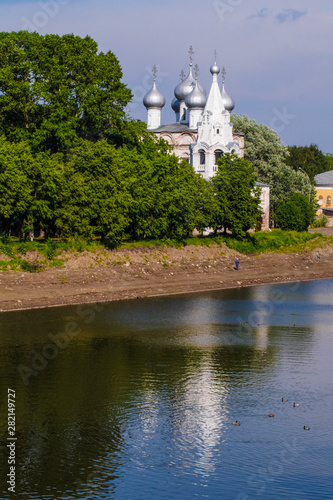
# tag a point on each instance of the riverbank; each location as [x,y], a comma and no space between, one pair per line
[144,272]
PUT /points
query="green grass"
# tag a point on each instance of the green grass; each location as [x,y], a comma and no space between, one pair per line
[268,241]
[19,264]
[275,241]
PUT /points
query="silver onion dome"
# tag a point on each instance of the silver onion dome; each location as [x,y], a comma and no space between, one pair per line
[175,105]
[215,69]
[185,87]
[196,99]
[154,98]
[228,101]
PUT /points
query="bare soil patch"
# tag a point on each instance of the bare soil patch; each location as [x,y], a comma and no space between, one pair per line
[132,273]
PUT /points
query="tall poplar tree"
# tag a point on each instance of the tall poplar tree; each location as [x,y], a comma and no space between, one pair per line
[269,157]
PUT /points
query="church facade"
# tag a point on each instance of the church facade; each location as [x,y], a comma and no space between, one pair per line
[202,131]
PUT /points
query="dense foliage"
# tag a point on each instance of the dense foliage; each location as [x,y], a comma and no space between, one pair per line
[72,163]
[269,157]
[309,159]
[321,221]
[56,89]
[236,195]
[99,190]
[296,214]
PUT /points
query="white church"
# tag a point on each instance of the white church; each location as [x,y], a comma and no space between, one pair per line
[202,131]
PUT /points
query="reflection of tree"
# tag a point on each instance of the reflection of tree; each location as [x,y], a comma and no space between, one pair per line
[68,419]
[76,418]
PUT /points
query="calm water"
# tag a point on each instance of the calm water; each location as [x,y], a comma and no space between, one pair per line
[137,399]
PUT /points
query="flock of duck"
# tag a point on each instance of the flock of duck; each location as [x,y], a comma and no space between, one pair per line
[284,400]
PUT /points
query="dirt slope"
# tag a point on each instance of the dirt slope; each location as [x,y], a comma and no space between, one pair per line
[127,274]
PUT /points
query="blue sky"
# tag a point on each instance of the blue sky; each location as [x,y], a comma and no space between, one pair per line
[277,53]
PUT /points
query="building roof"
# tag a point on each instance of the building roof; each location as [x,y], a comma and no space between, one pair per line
[262,185]
[174,127]
[179,127]
[324,179]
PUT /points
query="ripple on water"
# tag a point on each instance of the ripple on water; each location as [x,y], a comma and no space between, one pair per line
[142,404]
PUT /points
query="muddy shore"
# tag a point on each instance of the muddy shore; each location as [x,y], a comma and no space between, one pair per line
[130,274]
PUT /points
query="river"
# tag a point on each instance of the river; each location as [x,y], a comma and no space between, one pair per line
[136,399]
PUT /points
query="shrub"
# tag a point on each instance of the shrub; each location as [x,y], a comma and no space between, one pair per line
[296,214]
[7,250]
[321,221]
[31,267]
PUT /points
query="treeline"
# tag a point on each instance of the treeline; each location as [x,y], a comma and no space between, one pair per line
[100,190]
[72,163]
[276,164]
[309,159]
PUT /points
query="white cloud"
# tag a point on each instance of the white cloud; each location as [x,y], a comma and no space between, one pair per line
[290,15]
[262,13]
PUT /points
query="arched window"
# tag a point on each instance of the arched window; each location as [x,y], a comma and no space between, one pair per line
[328,201]
[202,157]
[320,200]
[233,151]
[217,155]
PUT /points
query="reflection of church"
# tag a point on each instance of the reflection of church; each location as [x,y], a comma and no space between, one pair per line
[202,132]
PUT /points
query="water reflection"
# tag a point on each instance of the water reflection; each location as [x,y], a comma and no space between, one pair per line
[139,404]
[203,415]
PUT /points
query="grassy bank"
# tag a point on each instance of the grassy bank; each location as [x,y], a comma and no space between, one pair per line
[34,256]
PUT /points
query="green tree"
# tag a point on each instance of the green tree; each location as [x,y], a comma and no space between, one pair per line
[56,89]
[94,200]
[268,156]
[237,197]
[329,160]
[127,193]
[309,159]
[17,167]
[295,214]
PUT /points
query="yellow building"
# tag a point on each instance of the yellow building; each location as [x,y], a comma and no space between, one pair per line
[324,192]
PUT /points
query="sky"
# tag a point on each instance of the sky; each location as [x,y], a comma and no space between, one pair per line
[277,53]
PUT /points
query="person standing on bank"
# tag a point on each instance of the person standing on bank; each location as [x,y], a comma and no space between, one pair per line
[236,263]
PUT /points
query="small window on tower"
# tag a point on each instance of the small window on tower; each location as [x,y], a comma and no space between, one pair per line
[218,131]
[217,155]
[202,157]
